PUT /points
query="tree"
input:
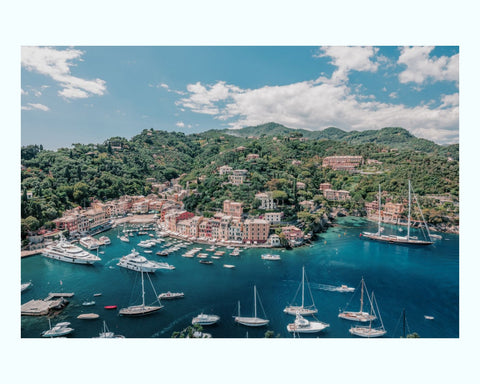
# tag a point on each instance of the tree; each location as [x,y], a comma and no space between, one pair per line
[32,223]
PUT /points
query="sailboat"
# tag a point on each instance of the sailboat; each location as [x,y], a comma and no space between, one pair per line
[360,315]
[369,331]
[107,334]
[252,321]
[302,310]
[142,309]
[393,239]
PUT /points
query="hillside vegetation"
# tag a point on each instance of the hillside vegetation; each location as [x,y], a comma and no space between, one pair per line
[68,177]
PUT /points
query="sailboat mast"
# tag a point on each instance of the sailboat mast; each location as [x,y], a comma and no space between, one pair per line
[379,209]
[255,298]
[361,298]
[404,323]
[409,207]
[143,292]
[303,285]
[238,308]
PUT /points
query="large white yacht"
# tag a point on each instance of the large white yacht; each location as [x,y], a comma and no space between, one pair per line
[64,251]
[136,262]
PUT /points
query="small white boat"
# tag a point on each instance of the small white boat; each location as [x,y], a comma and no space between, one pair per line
[147,251]
[104,240]
[125,239]
[88,303]
[229,266]
[25,286]
[88,316]
[345,288]
[204,319]
[171,295]
[427,317]
[97,294]
[60,329]
[268,256]
[302,325]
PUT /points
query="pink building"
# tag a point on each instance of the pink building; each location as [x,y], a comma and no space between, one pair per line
[232,208]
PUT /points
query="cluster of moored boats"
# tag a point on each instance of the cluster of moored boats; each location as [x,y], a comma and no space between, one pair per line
[65,251]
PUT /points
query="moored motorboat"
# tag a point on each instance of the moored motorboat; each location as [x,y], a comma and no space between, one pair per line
[171,295]
[269,256]
[88,316]
[302,325]
[65,251]
[60,329]
[25,286]
[88,303]
[104,240]
[206,262]
[110,307]
[204,319]
[229,266]
[135,262]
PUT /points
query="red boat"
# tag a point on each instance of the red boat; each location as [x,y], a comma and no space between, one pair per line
[110,307]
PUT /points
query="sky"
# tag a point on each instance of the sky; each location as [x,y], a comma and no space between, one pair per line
[87,94]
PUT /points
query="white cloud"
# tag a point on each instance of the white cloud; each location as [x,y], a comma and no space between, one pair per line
[31,106]
[347,59]
[24,93]
[450,100]
[393,95]
[313,105]
[56,64]
[421,67]
[180,124]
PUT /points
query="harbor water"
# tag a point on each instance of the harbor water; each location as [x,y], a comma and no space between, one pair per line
[423,280]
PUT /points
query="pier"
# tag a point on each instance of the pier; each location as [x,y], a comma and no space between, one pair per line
[43,307]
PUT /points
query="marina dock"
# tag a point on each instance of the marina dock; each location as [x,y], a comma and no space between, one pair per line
[43,307]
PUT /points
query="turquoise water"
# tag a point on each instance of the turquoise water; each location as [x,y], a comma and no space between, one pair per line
[423,280]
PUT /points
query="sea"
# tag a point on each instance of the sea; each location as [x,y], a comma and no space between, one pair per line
[416,280]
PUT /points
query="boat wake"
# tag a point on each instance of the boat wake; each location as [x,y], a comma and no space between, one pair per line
[169,327]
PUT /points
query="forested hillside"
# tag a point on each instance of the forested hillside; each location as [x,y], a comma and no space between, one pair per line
[61,179]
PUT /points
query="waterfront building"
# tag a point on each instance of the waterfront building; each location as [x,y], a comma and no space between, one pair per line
[266,200]
[342,163]
[232,208]
[255,231]
[293,234]
[274,240]
[235,230]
